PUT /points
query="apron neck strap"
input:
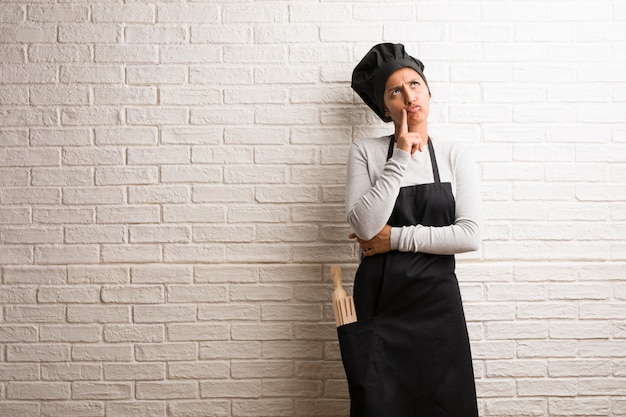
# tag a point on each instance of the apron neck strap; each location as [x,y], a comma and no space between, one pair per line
[431,151]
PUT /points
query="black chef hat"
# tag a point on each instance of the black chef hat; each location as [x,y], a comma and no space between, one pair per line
[370,75]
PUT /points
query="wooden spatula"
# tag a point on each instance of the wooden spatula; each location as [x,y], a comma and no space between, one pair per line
[343,304]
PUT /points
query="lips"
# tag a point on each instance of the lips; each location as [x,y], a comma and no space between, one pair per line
[413,109]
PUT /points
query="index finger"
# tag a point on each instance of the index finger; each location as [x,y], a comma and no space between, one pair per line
[404,123]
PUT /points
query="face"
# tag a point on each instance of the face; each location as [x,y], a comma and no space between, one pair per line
[405,89]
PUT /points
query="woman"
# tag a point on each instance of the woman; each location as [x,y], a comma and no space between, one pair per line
[413,203]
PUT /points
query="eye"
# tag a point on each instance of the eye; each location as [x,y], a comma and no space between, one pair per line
[395,92]
[415,83]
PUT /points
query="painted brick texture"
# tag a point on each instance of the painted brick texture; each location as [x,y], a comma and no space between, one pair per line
[171,199]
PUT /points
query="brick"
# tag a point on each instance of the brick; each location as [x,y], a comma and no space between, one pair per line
[27,33]
[579,368]
[256,253]
[126,136]
[13,54]
[217,312]
[229,350]
[265,175]
[134,408]
[583,330]
[126,13]
[153,116]
[195,13]
[131,253]
[125,95]
[197,332]
[295,349]
[12,177]
[196,293]
[231,389]
[225,273]
[161,274]
[164,314]
[70,334]
[102,353]
[11,157]
[155,34]
[221,116]
[579,406]
[44,352]
[132,372]
[131,214]
[158,194]
[67,254]
[70,295]
[58,13]
[38,391]
[126,176]
[495,388]
[220,233]
[132,294]
[89,32]
[159,234]
[191,135]
[231,33]
[60,137]
[98,274]
[516,407]
[19,372]
[235,13]
[159,155]
[101,391]
[73,409]
[266,369]
[155,74]
[196,96]
[71,372]
[17,294]
[230,156]
[219,408]
[233,75]
[28,74]
[13,96]
[193,174]
[204,213]
[133,333]
[98,314]
[17,334]
[260,332]
[59,53]
[15,255]
[193,253]
[166,352]
[90,116]
[199,370]
[132,54]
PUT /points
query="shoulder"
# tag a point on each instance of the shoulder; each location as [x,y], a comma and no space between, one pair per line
[371,147]
[451,151]
[372,143]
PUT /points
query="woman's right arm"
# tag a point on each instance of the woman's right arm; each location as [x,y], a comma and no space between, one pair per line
[369,206]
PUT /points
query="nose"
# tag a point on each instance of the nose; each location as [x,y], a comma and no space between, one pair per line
[409,97]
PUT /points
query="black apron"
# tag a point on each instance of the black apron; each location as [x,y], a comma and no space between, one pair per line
[408,355]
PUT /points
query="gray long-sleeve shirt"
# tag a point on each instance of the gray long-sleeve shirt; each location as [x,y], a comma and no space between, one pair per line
[373,185]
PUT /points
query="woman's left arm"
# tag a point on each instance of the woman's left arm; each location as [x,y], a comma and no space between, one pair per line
[465,234]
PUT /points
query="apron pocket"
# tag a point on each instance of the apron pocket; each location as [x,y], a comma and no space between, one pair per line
[359,344]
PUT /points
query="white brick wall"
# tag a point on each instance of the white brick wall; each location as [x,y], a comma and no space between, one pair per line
[171,199]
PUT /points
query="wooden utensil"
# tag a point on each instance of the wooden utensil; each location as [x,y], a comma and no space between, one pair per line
[343,304]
